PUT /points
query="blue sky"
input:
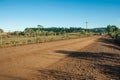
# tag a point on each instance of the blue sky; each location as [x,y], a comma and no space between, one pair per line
[19,14]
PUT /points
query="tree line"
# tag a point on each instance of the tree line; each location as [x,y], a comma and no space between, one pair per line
[42,31]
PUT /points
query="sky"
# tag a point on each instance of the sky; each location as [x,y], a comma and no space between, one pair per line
[16,15]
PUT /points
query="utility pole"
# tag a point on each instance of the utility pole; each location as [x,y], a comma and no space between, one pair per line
[86,25]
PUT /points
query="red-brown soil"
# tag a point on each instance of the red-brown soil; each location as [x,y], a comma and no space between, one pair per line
[92,58]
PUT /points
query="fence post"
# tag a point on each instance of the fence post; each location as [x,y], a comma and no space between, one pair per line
[1,40]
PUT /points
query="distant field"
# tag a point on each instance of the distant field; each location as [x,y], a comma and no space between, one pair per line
[6,41]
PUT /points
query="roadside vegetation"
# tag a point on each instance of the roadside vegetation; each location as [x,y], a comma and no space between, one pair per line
[41,34]
[114,32]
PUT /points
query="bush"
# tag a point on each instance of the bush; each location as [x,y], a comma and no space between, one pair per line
[118,37]
[113,35]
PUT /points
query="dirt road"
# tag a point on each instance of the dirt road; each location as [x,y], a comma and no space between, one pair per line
[92,58]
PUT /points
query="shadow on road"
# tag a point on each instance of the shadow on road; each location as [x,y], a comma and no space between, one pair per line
[113,71]
[114,47]
[99,60]
[108,41]
[91,56]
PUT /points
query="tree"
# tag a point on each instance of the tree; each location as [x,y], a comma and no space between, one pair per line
[29,32]
[114,32]
[1,31]
[40,27]
[112,28]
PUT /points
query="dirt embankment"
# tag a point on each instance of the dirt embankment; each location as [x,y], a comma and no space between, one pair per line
[92,58]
